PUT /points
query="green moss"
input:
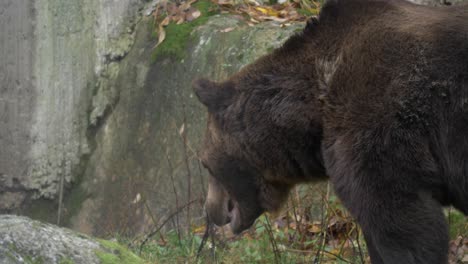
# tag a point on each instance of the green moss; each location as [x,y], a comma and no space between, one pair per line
[116,254]
[107,258]
[10,256]
[73,202]
[177,36]
[31,260]
[26,257]
[66,261]
[45,210]
[458,224]
[306,12]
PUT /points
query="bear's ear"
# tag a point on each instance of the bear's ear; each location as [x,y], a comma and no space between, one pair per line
[311,24]
[216,96]
[330,10]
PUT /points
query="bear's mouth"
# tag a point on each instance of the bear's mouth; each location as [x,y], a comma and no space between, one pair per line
[238,219]
[234,218]
[239,211]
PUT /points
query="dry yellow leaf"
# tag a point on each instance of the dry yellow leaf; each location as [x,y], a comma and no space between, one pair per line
[199,229]
[267,11]
[315,229]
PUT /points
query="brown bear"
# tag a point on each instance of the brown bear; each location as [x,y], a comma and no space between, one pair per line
[373,94]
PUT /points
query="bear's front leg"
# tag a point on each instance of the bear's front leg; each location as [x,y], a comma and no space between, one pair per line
[412,231]
[372,250]
[388,196]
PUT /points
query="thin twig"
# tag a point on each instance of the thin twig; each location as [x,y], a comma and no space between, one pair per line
[293,202]
[200,173]
[152,233]
[324,226]
[60,201]
[213,244]
[183,135]
[272,240]
[205,237]
[359,245]
[153,219]
[324,251]
[171,173]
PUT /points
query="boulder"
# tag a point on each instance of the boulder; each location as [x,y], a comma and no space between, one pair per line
[23,240]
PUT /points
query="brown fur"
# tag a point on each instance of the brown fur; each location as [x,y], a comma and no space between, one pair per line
[375,93]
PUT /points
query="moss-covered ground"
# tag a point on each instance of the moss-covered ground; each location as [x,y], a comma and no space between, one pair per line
[293,239]
[117,254]
[458,224]
[177,36]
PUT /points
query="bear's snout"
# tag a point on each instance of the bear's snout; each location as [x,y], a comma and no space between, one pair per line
[218,205]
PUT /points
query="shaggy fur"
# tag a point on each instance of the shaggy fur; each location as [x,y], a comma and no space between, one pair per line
[375,95]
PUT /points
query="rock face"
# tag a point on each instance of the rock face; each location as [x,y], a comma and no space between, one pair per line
[23,240]
[82,104]
[55,60]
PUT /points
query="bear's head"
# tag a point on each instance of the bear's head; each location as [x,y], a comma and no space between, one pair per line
[238,192]
[261,139]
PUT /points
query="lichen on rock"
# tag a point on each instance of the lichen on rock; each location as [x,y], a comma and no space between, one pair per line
[23,240]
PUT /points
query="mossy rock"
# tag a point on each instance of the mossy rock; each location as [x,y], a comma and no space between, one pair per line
[178,36]
[116,253]
[23,240]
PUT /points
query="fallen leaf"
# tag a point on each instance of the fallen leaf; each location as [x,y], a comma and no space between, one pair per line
[273,18]
[226,30]
[162,32]
[161,37]
[165,22]
[199,229]
[185,6]
[180,20]
[137,198]
[196,14]
[253,2]
[315,229]
[172,9]
[182,129]
[225,3]
[267,11]
[254,20]
[162,243]
[193,14]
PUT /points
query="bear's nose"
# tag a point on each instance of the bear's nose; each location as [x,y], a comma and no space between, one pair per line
[218,204]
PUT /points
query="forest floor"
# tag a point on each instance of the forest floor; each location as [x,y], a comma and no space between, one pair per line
[310,229]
